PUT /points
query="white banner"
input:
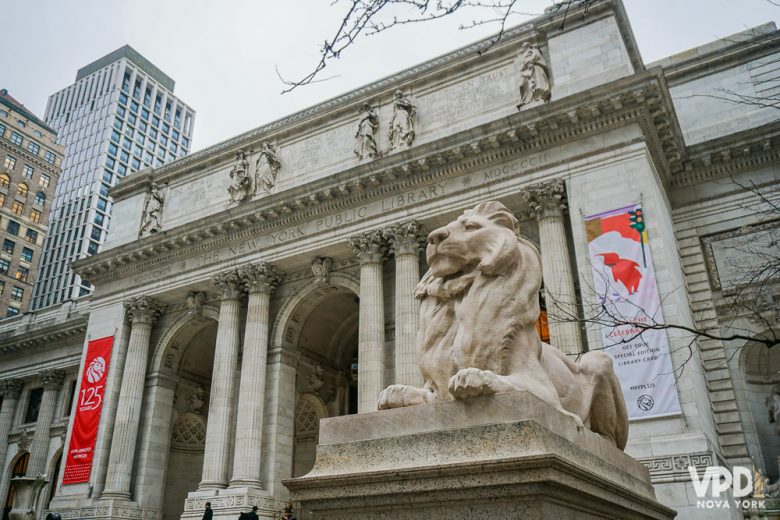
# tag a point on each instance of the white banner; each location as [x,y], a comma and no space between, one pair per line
[625,285]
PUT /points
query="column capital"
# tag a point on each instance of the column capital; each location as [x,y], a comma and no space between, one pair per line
[260,278]
[547,199]
[11,388]
[406,238]
[52,379]
[143,310]
[229,285]
[369,247]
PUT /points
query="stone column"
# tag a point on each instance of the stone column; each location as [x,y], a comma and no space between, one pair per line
[370,248]
[142,312]
[259,281]
[11,389]
[548,207]
[219,426]
[405,242]
[39,447]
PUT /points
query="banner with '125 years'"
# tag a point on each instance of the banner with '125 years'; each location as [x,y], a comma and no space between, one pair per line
[78,462]
[625,285]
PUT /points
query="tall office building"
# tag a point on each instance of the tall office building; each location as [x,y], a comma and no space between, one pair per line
[29,169]
[118,117]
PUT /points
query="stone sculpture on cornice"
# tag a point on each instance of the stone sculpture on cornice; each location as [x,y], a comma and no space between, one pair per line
[401,132]
[240,181]
[151,220]
[366,135]
[534,80]
[266,167]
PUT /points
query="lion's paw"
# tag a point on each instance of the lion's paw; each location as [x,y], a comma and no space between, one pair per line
[471,382]
[397,396]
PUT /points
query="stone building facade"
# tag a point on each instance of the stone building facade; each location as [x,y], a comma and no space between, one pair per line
[29,172]
[267,282]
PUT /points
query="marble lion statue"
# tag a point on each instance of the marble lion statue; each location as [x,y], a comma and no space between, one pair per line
[477,335]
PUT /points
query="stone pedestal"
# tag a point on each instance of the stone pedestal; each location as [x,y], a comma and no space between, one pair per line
[505,456]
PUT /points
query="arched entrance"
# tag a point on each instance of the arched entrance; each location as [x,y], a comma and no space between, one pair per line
[760,367]
[321,323]
[54,474]
[186,355]
[18,468]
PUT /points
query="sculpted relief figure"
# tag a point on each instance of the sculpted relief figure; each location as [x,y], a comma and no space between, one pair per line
[477,335]
[401,131]
[266,167]
[240,181]
[366,135]
[534,82]
[152,215]
[772,404]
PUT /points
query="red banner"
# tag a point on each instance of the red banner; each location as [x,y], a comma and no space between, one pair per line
[78,463]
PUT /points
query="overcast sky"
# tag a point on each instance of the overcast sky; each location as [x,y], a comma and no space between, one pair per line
[222,53]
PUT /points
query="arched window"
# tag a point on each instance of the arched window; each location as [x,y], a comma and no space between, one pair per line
[40,198]
[22,189]
[5,180]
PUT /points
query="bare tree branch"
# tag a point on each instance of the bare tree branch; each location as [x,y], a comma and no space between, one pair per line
[370,17]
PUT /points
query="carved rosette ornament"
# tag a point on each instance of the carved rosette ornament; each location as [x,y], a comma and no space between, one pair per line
[52,379]
[546,200]
[11,388]
[143,310]
[321,268]
[262,278]
[369,247]
[406,238]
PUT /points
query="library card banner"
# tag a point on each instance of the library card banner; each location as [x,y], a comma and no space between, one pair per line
[625,285]
[78,464]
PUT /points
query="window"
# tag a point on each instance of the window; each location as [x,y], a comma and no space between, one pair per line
[136,165]
[4,266]
[21,123]
[120,111]
[175,135]
[99,219]
[2,199]
[3,113]
[123,98]
[44,180]
[163,140]
[22,273]
[145,114]
[131,119]
[2,130]
[17,293]
[37,133]
[92,248]
[156,120]
[115,135]
[49,157]
[142,126]
[108,176]
[153,133]
[33,405]
[31,236]
[2,289]
[34,147]
[5,180]
[166,128]
[112,149]
[13,311]
[96,234]
[16,138]
[101,204]
[27,254]
[40,198]
[121,169]
[22,190]
[27,170]
[8,246]
[10,162]
[118,123]
[124,156]
[17,207]
[35,215]
[13,227]
[133,106]
[110,162]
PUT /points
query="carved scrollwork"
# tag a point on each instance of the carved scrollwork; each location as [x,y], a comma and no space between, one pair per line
[143,309]
[369,247]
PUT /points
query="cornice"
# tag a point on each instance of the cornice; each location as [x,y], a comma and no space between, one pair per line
[530,31]
[731,154]
[45,336]
[33,159]
[640,99]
